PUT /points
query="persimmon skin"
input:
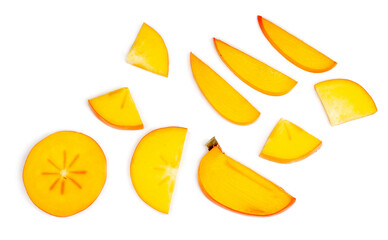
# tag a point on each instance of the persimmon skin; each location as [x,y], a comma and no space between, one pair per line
[138,127]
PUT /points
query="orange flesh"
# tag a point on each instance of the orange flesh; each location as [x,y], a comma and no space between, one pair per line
[117,109]
[64,173]
[155,164]
[289,143]
[295,50]
[344,100]
[253,72]
[149,52]
[223,97]
[236,187]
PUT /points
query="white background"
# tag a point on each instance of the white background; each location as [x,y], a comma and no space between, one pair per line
[54,55]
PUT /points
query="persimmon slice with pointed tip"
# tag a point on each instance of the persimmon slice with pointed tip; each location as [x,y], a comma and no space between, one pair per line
[344,100]
[155,164]
[253,72]
[117,109]
[64,173]
[223,97]
[289,143]
[295,50]
[149,52]
[234,186]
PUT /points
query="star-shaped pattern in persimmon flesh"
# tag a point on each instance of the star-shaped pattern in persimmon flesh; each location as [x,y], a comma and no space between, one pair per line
[64,173]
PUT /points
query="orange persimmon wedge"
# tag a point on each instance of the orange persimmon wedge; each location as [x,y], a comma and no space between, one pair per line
[289,143]
[253,72]
[117,109]
[344,100]
[234,186]
[64,173]
[223,97]
[155,164]
[149,52]
[295,50]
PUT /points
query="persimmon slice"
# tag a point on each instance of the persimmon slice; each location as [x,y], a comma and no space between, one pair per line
[289,143]
[155,164]
[236,187]
[149,52]
[253,72]
[229,103]
[64,173]
[295,50]
[344,100]
[117,109]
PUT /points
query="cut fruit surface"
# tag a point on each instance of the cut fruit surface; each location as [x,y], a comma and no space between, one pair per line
[149,52]
[64,173]
[289,143]
[223,97]
[295,50]
[234,186]
[344,100]
[155,164]
[253,72]
[117,109]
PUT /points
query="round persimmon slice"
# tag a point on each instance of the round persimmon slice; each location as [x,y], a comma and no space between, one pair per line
[64,173]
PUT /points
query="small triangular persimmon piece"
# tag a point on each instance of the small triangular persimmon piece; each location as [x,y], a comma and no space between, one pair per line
[289,143]
[236,187]
[117,109]
[295,50]
[223,97]
[253,72]
[149,52]
[344,100]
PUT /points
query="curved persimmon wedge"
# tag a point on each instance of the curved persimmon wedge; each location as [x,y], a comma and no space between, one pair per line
[149,52]
[344,100]
[295,50]
[155,164]
[117,109]
[64,173]
[253,72]
[223,97]
[289,143]
[234,186]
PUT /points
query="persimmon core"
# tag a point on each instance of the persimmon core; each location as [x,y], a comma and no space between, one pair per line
[63,173]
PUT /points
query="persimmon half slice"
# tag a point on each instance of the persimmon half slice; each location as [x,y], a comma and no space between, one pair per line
[117,109]
[289,143]
[236,187]
[229,103]
[295,50]
[253,72]
[64,173]
[344,100]
[155,164]
[149,52]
